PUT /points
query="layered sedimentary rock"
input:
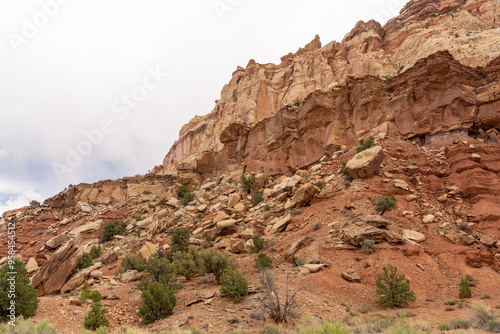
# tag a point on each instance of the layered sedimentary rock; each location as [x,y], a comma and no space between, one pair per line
[465,29]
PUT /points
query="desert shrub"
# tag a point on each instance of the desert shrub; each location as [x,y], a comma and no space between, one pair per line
[319,184]
[247,183]
[463,226]
[300,262]
[316,226]
[85,292]
[185,195]
[464,291]
[485,318]
[132,262]
[485,297]
[158,302]
[180,240]
[470,280]
[234,285]
[85,261]
[96,317]
[450,302]
[26,296]
[186,263]
[215,263]
[393,288]
[111,229]
[364,309]
[262,261]
[257,244]
[279,308]
[95,251]
[257,197]
[368,246]
[95,296]
[364,145]
[384,204]
[342,168]
[159,270]
[34,204]
[460,324]
[449,308]
[137,217]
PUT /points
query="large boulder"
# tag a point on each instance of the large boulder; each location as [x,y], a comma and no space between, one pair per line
[366,163]
[279,224]
[80,277]
[303,196]
[355,233]
[54,273]
[147,250]
[57,241]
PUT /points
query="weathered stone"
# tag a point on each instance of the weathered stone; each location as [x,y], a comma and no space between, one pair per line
[303,195]
[309,254]
[279,224]
[364,164]
[487,240]
[297,245]
[75,301]
[130,276]
[86,229]
[96,274]
[147,250]
[355,233]
[238,247]
[313,268]
[401,184]
[428,218]
[413,235]
[226,223]
[221,215]
[111,258]
[247,234]
[31,266]
[57,241]
[54,273]
[77,279]
[374,220]
[233,200]
[410,198]
[239,208]
[351,275]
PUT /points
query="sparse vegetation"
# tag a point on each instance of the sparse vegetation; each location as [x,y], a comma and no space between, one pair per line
[96,317]
[257,197]
[364,145]
[26,296]
[158,302]
[279,308]
[34,204]
[185,195]
[111,229]
[186,263]
[368,246]
[364,309]
[384,204]
[393,288]
[180,240]
[247,183]
[257,244]
[485,318]
[85,261]
[215,262]
[262,261]
[319,184]
[234,285]
[464,291]
[132,262]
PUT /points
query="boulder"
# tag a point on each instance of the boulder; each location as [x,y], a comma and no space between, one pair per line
[147,250]
[54,273]
[298,245]
[86,229]
[401,184]
[373,220]
[303,196]
[57,241]
[428,218]
[31,266]
[413,235]
[247,234]
[351,275]
[364,164]
[77,279]
[279,224]
[233,200]
[310,254]
[313,268]
[130,276]
[238,247]
[487,240]
[355,233]
[221,215]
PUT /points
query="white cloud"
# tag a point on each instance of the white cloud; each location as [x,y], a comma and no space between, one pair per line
[3,153]
[19,200]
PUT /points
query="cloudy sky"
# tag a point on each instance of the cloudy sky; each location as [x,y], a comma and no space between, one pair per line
[93,89]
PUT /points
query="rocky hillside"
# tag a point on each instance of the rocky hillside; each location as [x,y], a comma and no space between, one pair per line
[425,88]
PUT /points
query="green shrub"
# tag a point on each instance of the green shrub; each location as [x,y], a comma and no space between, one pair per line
[234,285]
[85,261]
[95,251]
[464,291]
[185,195]
[342,168]
[111,229]
[215,262]
[460,324]
[262,261]
[159,270]
[137,217]
[257,197]
[451,302]
[257,244]
[186,263]
[393,288]
[470,280]
[85,292]
[368,246]
[180,240]
[364,309]
[96,317]
[26,297]
[384,204]
[132,262]
[364,145]
[247,183]
[158,302]
[34,204]
[96,296]
[319,184]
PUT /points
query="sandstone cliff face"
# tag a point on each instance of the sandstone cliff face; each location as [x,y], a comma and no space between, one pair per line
[463,28]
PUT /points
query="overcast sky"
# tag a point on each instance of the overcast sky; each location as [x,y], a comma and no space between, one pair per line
[93,89]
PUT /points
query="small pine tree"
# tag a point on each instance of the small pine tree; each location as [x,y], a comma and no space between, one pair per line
[384,204]
[96,296]
[234,285]
[85,261]
[247,183]
[95,251]
[180,240]
[258,244]
[215,262]
[185,195]
[364,145]
[257,197]
[262,261]
[85,292]
[111,229]
[158,302]
[464,291]
[96,317]
[26,297]
[393,288]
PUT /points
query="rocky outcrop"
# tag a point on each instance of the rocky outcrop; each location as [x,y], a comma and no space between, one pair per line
[221,140]
[54,273]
